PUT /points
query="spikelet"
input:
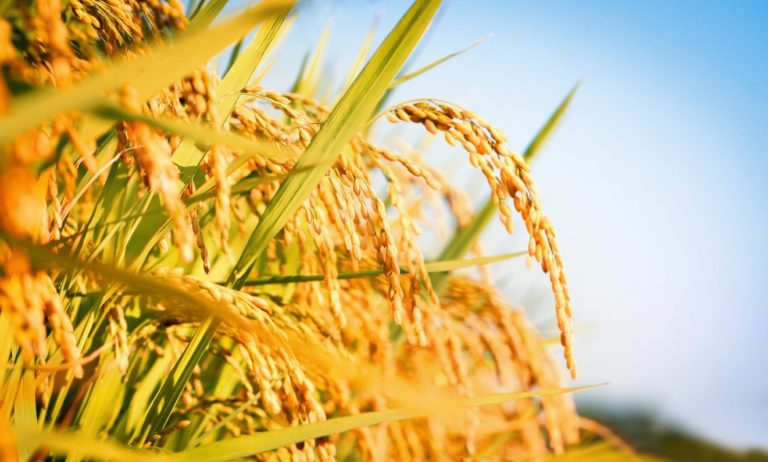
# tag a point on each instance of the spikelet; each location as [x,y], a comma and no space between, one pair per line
[328,259]
[344,214]
[118,332]
[119,23]
[21,297]
[196,228]
[412,167]
[60,324]
[417,273]
[387,256]
[52,31]
[218,161]
[154,156]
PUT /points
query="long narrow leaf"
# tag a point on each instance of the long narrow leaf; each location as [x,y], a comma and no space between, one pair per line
[434,64]
[432,267]
[204,16]
[25,411]
[549,127]
[362,54]
[237,77]
[309,80]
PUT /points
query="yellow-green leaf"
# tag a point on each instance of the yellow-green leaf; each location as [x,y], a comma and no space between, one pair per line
[434,64]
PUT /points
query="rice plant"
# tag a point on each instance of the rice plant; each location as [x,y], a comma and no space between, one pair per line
[195,267]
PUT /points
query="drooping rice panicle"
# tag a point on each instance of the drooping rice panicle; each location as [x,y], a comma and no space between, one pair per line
[508,176]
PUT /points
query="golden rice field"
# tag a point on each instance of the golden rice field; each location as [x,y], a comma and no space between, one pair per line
[198,268]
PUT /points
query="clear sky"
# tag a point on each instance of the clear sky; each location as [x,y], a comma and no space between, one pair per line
[656,181]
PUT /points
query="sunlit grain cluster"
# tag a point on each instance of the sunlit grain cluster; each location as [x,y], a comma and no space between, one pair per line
[118,256]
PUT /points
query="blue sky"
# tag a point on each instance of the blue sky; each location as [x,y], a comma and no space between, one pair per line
[656,181]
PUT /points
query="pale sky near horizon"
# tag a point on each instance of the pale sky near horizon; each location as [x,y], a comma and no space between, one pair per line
[656,180]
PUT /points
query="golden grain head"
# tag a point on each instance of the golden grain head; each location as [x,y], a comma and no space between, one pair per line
[507,176]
